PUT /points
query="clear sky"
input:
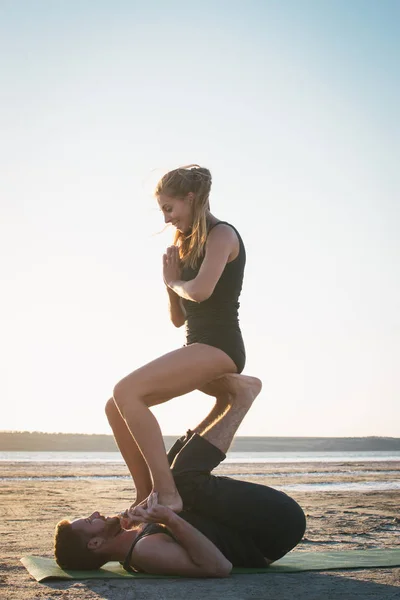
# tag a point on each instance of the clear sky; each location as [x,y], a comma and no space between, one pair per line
[293,105]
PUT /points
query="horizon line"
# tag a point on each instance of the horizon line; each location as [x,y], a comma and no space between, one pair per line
[16,431]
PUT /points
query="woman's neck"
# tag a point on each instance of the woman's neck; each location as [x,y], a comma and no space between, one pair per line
[211,220]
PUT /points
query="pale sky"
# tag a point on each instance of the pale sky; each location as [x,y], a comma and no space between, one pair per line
[293,106]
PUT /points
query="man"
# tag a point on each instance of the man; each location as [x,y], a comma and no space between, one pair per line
[225,522]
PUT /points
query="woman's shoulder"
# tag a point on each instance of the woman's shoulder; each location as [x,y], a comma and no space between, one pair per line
[223,226]
[224,235]
[224,232]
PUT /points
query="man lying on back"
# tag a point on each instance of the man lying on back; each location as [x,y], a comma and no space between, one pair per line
[225,522]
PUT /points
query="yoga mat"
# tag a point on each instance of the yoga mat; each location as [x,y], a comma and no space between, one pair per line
[44,569]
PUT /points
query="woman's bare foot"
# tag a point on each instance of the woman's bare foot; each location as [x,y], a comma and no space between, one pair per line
[139,502]
[172,501]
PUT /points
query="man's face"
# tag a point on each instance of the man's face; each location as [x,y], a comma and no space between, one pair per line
[98,526]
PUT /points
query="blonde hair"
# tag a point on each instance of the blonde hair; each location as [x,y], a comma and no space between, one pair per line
[178,184]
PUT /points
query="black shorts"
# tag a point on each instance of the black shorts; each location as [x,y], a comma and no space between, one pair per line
[273,520]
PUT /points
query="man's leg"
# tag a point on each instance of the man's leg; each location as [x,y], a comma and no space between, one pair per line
[234,394]
[274,521]
[239,392]
[206,448]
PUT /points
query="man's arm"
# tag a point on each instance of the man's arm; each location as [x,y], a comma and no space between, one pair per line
[194,555]
[191,555]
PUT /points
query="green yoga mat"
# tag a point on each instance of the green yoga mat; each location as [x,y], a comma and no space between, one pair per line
[43,569]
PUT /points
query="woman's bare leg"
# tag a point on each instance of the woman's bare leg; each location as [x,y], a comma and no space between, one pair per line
[219,388]
[172,375]
[130,452]
[229,391]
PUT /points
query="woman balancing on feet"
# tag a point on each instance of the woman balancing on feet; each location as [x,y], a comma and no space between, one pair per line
[203,272]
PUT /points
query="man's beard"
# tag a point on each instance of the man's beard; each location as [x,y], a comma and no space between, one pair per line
[113,526]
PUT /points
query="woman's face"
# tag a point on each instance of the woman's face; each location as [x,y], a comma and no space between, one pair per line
[177,211]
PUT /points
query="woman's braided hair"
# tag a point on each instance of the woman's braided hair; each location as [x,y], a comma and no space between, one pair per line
[178,184]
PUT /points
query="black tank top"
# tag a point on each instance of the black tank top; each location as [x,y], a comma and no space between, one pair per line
[149,529]
[236,546]
[220,310]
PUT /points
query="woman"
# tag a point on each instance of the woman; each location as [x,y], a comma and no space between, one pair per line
[203,273]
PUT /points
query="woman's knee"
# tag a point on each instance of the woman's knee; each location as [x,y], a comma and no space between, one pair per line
[257,385]
[127,392]
[111,409]
[119,395]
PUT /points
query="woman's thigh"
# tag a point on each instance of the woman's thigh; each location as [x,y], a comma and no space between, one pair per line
[175,374]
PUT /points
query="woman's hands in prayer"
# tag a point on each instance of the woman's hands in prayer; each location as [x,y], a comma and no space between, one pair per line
[171,265]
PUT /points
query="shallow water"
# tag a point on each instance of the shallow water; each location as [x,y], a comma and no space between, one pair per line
[232,457]
[329,486]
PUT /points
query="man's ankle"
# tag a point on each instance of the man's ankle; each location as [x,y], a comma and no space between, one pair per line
[178,445]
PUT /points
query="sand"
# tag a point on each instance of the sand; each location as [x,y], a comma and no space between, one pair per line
[336,520]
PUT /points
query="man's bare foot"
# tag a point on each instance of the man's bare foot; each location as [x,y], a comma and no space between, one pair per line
[235,388]
[236,394]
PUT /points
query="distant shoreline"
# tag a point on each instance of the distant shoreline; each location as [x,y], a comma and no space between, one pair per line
[26,441]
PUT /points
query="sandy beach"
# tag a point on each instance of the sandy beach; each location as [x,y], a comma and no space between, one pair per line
[339,519]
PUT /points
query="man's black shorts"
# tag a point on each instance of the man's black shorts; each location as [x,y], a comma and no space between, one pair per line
[275,522]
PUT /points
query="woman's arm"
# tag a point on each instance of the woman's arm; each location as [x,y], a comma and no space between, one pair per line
[177,312]
[222,242]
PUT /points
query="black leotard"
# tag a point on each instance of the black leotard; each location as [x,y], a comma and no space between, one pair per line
[215,321]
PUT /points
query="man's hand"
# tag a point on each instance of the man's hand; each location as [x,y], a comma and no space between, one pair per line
[126,519]
[155,512]
[149,511]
